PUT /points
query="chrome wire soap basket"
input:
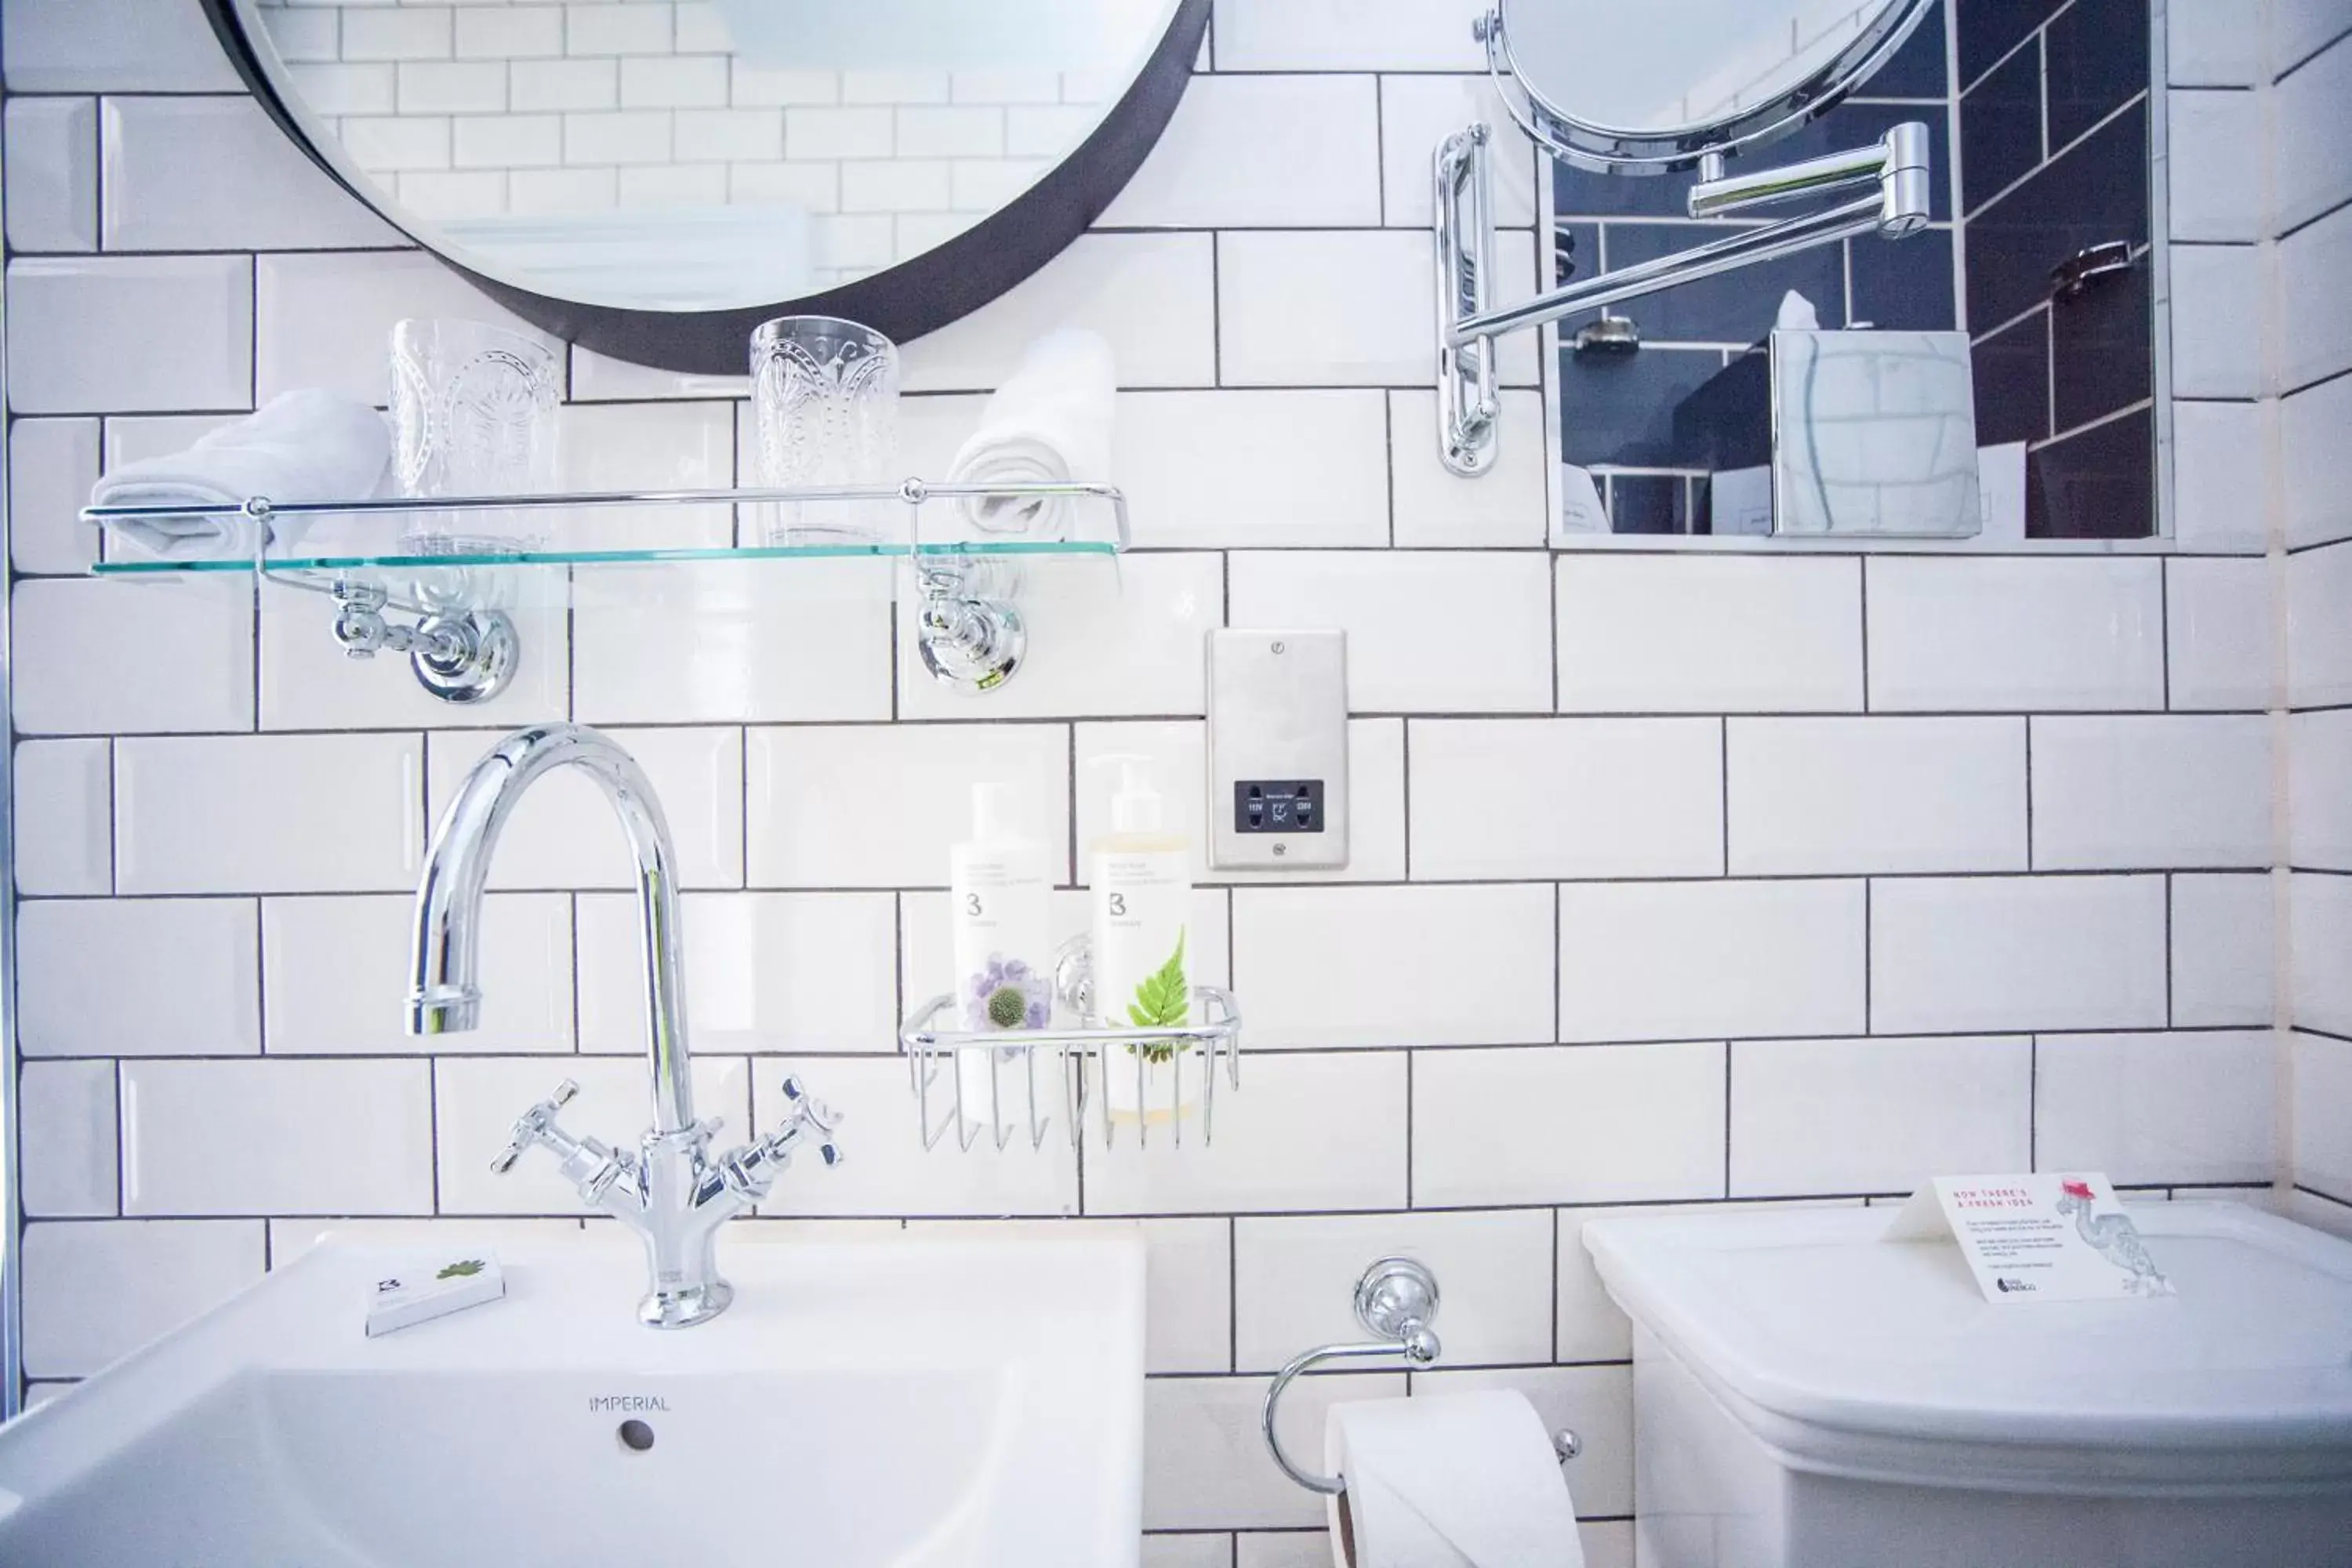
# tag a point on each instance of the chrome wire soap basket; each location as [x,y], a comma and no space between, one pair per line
[988,1082]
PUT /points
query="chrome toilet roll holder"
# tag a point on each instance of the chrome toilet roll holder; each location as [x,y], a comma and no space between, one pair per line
[1396,1300]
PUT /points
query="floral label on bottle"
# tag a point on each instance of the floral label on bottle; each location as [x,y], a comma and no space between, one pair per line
[1143,977]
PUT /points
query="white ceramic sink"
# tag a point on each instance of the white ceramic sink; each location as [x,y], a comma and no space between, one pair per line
[915,1403]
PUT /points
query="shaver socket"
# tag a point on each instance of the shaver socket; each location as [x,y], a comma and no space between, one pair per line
[1277,750]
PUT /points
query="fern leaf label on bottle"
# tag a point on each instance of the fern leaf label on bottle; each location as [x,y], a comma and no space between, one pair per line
[1143,901]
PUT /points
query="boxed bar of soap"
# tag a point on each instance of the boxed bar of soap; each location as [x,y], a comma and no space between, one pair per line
[433,1287]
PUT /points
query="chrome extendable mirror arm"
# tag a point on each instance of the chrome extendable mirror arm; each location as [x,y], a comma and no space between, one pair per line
[1467,325]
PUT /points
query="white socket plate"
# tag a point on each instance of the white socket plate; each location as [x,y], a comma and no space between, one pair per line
[1277,714]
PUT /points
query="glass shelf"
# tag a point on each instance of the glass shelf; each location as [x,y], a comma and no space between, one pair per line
[626,528]
[459,584]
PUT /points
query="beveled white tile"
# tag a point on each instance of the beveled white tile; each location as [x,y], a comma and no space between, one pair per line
[1567,797]
[1295,1277]
[2224,965]
[2017,953]
[1104,638]
[215,174]
[879,806]
[2218,476]
[1307,1133]
[1346,308]
[2217,321]
[2208,44]
[2172,1108]
[1428,631]
[268,814]
[887,1170]
[2315,269]
[125,977]
[1948,634]
[1591,1326]
[1677,961]
[2319,790]
[1568,1124]
[564,835]
[2218,625]
[649,447]
[66,1117]
[1292,468]
[1375,797]
[2301,28]
[764,972]
[277,1137]
[1396,965]
[1342,35]
[2318,639]
[308,682]
[2155,791]
[98,1289]
[2215,137]
[325,320]
[1437,509]
[103,334]
[1417,112]
[1708,635]
[1205,1459]
[727,642]
[64,836]
[2317,462]
[597,378]
[1210,1549]
[1815,795]
[2322,1154]
[1293,151]
[477,1098]
[1596,1403]
[86,655]
[1152,296]
[2319,927]
[1876,1115]
[52,154]
[2311,157]
[335,969]
[52,464]
[112,45]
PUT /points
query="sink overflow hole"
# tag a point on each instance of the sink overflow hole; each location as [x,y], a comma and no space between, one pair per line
[636,1436]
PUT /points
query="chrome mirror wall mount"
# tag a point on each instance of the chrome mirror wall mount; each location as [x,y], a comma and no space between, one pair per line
[1900,165]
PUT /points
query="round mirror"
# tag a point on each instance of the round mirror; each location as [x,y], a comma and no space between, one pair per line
[1648,87]
[651,178]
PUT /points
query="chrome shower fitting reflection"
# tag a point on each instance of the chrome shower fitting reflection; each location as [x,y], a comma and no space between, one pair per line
[671,1190]
[1468,322]
[459,656]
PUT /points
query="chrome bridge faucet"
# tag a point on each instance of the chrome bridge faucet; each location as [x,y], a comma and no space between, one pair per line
[672,1190]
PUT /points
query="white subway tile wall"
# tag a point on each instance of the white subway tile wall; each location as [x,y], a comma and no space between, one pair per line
[1674,877]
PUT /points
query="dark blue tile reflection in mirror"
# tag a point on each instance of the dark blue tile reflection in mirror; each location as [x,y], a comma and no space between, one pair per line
[1989,29]
[1619,408]
[1918,68]
[2012,381]
[2096,192]
[2096,52]
[2000,128]
[2099,353]
[2098,483]
[1903,285]
[1648,503]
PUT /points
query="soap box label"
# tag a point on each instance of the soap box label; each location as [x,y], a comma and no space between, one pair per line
[2043,1236]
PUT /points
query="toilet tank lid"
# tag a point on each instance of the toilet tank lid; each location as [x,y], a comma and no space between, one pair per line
[1848,1352]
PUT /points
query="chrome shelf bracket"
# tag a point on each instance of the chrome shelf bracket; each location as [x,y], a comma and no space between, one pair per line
[1468,323]
[460,656]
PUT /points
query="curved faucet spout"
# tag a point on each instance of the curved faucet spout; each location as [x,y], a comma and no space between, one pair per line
[446,997]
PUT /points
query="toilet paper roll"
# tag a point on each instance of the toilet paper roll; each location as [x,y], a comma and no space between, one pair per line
[1448,1481]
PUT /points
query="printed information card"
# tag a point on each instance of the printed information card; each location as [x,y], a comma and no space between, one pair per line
[2050,1236]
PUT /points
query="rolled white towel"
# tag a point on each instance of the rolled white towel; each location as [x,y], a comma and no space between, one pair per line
[1050,423]
[300,446]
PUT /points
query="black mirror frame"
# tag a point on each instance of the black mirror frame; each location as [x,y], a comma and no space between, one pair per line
[951,280]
